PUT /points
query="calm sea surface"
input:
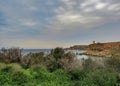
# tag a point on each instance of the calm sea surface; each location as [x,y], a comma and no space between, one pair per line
[47,51]
[26,51]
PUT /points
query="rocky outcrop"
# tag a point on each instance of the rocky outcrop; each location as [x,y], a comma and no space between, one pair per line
[102,49]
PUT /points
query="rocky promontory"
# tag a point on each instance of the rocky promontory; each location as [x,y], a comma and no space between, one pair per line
[101,49]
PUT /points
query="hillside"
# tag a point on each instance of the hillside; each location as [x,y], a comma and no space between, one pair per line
[102,49]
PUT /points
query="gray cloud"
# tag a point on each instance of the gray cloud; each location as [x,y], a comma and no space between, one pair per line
[83,14]
[56,20]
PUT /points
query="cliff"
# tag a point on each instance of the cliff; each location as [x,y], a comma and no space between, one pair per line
[101,49]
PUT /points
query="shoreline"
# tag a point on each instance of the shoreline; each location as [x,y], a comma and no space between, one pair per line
[104,56]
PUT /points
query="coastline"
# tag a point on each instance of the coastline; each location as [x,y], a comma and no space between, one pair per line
[104,56]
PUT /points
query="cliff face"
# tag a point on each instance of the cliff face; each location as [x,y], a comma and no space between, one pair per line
[102,49]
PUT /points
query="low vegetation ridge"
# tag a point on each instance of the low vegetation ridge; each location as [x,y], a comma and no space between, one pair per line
[78,47]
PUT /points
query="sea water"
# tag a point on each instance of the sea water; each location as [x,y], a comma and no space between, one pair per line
[47,51]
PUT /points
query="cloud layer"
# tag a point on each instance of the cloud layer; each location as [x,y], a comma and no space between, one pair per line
[51,23]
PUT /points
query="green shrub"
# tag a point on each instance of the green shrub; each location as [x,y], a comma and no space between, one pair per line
[114,61]
[89,64]
[58,53]
[103,78]
[77,74]
[14,75]
[15,67]
[5,78]
[20,79]
[43,77]
[61,78]
[97,78]
[39,73]
[2,65]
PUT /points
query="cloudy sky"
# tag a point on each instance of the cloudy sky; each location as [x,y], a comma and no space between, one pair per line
[51,23]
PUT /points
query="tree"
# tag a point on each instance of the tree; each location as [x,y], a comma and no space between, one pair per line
[10,55]
[58,53]
[32,59]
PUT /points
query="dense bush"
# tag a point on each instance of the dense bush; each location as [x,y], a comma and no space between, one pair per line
[32,59]
[10,55]
[58,69]
[77,75]
[114,61]
[13,75]
[102,78]
[59,59]
[89,64]
[58,53]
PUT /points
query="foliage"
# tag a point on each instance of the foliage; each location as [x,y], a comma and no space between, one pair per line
[59,59]
[89,64]
[58,53]
[10,55]
[77,75]
[114,61]
[57,69]
[32,58]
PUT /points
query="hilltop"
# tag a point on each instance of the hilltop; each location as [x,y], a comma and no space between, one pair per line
[102,49]
[97,49]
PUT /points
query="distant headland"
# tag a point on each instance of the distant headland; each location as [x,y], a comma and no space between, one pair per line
[97,49]
[77,47]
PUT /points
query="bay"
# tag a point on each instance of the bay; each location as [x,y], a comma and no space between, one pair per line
[47,51]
